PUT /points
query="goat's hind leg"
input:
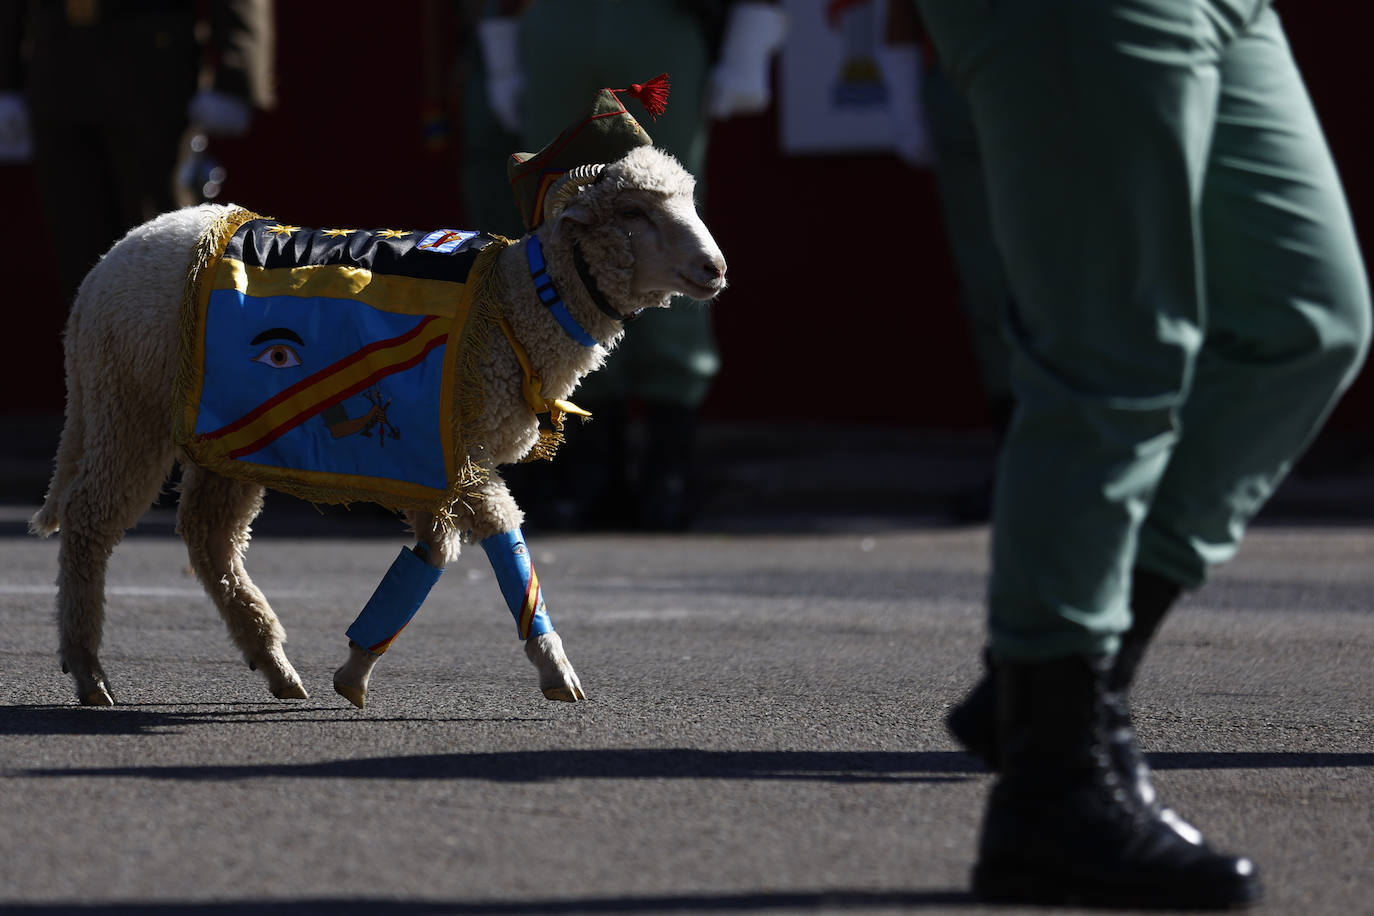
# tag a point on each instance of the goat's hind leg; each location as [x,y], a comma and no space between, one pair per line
[82,560]
[107,475]
[213,519]
[94,513]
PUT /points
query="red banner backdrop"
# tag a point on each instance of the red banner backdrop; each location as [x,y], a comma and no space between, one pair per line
[842,306]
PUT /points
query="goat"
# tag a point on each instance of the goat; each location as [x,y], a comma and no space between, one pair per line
[616,239]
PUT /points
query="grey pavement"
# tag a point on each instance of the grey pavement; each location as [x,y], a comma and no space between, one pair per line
[763,731]
[764,726]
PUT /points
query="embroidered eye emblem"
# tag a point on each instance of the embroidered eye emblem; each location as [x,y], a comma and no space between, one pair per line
[278,356]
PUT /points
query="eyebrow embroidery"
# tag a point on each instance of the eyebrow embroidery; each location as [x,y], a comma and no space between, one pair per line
[277,334]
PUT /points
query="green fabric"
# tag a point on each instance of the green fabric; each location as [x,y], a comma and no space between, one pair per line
[605,133]
[486,147]
[668,356]
[968,231]
[571,49]
[1189,294]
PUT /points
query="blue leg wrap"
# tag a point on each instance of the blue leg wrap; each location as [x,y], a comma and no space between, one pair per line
[510,560]
[399,596]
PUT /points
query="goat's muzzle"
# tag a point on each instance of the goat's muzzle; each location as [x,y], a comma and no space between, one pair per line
[705,280]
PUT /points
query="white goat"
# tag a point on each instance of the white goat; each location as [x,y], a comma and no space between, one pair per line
[637,225]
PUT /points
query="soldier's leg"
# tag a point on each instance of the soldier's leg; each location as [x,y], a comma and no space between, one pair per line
[1288,311]
[1096,123]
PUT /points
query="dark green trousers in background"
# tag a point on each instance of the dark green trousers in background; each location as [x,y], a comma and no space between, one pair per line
[1189,294]
[569,50]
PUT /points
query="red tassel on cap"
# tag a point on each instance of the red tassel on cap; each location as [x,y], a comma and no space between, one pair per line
[653,95]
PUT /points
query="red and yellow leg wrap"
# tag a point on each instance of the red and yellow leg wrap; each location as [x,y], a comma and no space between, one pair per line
[510,560]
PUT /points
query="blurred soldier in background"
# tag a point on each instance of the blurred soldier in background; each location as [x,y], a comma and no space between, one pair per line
[101,94]
[537,64]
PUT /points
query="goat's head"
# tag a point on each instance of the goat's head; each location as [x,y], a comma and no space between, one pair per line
[638,221]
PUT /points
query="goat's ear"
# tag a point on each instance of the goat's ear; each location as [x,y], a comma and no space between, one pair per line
[573,213]
[578,213]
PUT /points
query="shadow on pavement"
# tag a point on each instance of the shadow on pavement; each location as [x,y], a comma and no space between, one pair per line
[1255,760]
[146,719]
[828,900]
[536,766]
[541,766]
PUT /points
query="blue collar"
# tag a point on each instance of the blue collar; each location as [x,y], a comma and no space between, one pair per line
[543,285]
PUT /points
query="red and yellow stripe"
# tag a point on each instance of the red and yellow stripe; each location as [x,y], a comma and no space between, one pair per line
[534,600]
[331,385]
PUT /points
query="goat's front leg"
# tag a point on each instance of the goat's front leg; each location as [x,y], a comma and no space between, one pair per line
[496,525]
[510,560]
[397,599]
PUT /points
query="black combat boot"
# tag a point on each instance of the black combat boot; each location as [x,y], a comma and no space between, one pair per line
[973,722]
[1061,826]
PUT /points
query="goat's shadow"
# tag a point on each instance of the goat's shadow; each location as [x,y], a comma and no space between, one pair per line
[508,766]
[674,763]
[743,902]
[844,767]
[560,764]
[148,719]
[838,766]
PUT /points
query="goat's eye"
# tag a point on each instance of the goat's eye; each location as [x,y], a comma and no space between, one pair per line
[278,356]
[633,213]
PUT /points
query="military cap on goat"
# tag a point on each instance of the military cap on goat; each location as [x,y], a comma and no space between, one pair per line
[606,133]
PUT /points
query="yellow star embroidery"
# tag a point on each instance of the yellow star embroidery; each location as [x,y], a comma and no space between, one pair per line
[335,233]
[394,233]
[279,229]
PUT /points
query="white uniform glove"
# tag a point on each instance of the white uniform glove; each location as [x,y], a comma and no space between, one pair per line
[901,68]
[498,37]
[220,114]
[16,139]
[739,82]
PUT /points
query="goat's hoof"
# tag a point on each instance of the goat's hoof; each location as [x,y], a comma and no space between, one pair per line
[566,694]
[294,691]
[350,680]
[352,693]
[286,685]
[97,697]
[557,679]
[282,679]
[87,676]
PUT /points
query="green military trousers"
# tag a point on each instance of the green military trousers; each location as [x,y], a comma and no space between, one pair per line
[1189,295]
[570,49]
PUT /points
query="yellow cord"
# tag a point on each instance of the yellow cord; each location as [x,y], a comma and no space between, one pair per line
[531,387]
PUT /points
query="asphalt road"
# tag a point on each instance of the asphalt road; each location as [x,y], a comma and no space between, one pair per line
[762,735]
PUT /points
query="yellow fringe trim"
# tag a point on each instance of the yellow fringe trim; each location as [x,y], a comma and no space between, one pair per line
[465,351]
[209,249]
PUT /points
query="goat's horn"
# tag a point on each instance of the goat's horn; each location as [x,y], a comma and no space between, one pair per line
[567,187]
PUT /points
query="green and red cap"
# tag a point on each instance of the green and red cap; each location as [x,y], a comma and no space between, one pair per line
[606,133]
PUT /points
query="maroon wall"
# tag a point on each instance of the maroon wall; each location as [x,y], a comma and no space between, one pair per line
[842,303]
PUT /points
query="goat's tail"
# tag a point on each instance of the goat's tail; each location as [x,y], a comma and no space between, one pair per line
[46,521]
